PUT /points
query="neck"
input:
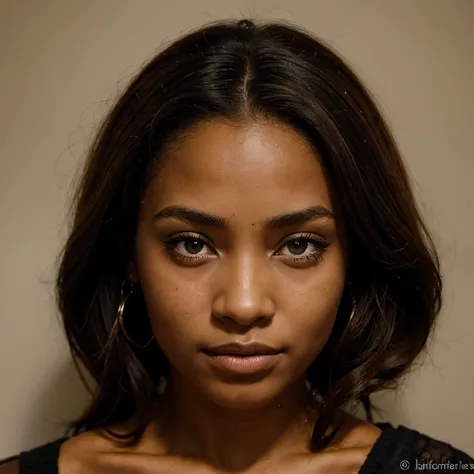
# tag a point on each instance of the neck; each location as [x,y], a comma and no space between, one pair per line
[193,426]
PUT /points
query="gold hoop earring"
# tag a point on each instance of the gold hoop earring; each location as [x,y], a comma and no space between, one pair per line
[120,311]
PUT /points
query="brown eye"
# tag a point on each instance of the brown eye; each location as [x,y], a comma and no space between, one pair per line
[297,246]
[189,248]
[193,246]
[304,248]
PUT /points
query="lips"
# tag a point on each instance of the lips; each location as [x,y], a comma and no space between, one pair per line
[238,365]
[243,349]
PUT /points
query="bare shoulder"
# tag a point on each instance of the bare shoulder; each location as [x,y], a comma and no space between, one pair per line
[77,453]
[89,452]
[355,432]
[96,451]
[347,452]
[11,467]
[92,453]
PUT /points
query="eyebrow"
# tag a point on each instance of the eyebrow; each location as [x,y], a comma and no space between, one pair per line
[210,220]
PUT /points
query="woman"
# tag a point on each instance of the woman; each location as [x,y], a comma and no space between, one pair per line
[246,263]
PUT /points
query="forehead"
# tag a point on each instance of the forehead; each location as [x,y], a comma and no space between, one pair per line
[253,167]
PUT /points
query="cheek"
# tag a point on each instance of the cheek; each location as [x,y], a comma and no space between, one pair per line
[313,322]
[173,311]
[173,303]
[313,306]
[178,303]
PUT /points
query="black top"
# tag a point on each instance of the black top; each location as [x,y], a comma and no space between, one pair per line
[397,450]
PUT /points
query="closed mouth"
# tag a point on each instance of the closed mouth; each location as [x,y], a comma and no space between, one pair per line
[243,350]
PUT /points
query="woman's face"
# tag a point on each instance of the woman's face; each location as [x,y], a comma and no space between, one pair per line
[237,242]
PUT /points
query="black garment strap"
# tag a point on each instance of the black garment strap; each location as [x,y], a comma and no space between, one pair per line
[41,460]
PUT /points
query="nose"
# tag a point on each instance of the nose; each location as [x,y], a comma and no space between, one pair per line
[244,295]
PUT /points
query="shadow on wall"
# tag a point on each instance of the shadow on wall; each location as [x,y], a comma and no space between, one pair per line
[390,405]
[62,401]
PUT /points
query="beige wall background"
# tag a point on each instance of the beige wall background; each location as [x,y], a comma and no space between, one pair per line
[62,61]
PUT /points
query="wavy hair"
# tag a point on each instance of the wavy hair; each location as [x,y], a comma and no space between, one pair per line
[236,71]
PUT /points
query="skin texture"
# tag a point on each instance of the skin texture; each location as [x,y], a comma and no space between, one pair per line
[239,284]
[92,453]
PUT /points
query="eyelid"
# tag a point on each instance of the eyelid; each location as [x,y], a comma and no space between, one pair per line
[186,233]
[318,241]
[189,235]
[180,236]
[305,236]
[176,236]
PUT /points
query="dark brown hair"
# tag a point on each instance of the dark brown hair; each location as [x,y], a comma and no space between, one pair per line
[237,71]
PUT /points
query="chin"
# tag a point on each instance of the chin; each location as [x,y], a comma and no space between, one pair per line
[250,395]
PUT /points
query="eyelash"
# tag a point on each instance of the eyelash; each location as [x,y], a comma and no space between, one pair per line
[320,244]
